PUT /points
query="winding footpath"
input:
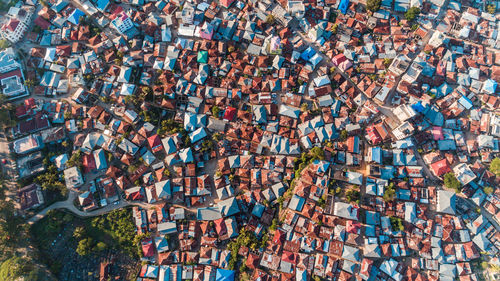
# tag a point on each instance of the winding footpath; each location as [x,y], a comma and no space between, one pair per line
[68,205]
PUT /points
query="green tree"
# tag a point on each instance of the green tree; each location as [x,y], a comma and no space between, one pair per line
[317,153]
[50,180]
[495,166]
[450,181]
[4,44]
[343,135]
[84,246]
[373,5]
[396,223]
[488,190]
[274,224]
[387,62]
[29,83]
[491,9]
[79,232]
[335,27]
[352,195]
[75,159]
[215,111]
[389,193]
[10,226]
[412,13]
[13,268]
[270,19]
[101,246]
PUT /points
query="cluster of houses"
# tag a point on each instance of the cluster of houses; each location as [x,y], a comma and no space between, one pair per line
[204,115]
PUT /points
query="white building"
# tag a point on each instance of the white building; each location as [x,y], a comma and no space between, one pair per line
[122,23]
[19,20]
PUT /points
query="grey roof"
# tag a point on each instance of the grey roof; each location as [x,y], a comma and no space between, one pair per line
[350,253]
[446,202]
[228,207]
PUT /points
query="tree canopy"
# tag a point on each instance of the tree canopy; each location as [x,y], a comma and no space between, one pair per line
[495,166]
[412,13]
[450,181]
[373,5]
[389,193]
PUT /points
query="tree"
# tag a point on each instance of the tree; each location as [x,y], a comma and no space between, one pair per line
[488,190]
[322,201]
[67,115]
[317,153]
[491,9]
[50,180]
[215,111]
[352,195]
[79,232]
[387,62]
[412,13]
[12,268]
[84,246]
[343,135]
[389,193]
[75,159]
[274,224]
[396,223]
[450,181]
[4,44]
[495,166]
[373,5]
[335,28]
[270,19]
[29,83]
[101,246]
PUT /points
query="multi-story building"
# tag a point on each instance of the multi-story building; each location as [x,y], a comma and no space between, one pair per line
[17,25]
[122,23]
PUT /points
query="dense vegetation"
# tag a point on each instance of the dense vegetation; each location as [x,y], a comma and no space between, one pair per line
[306,158]
[51,181]
[89,237]
[245,238]
[120,227]
[16,261]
